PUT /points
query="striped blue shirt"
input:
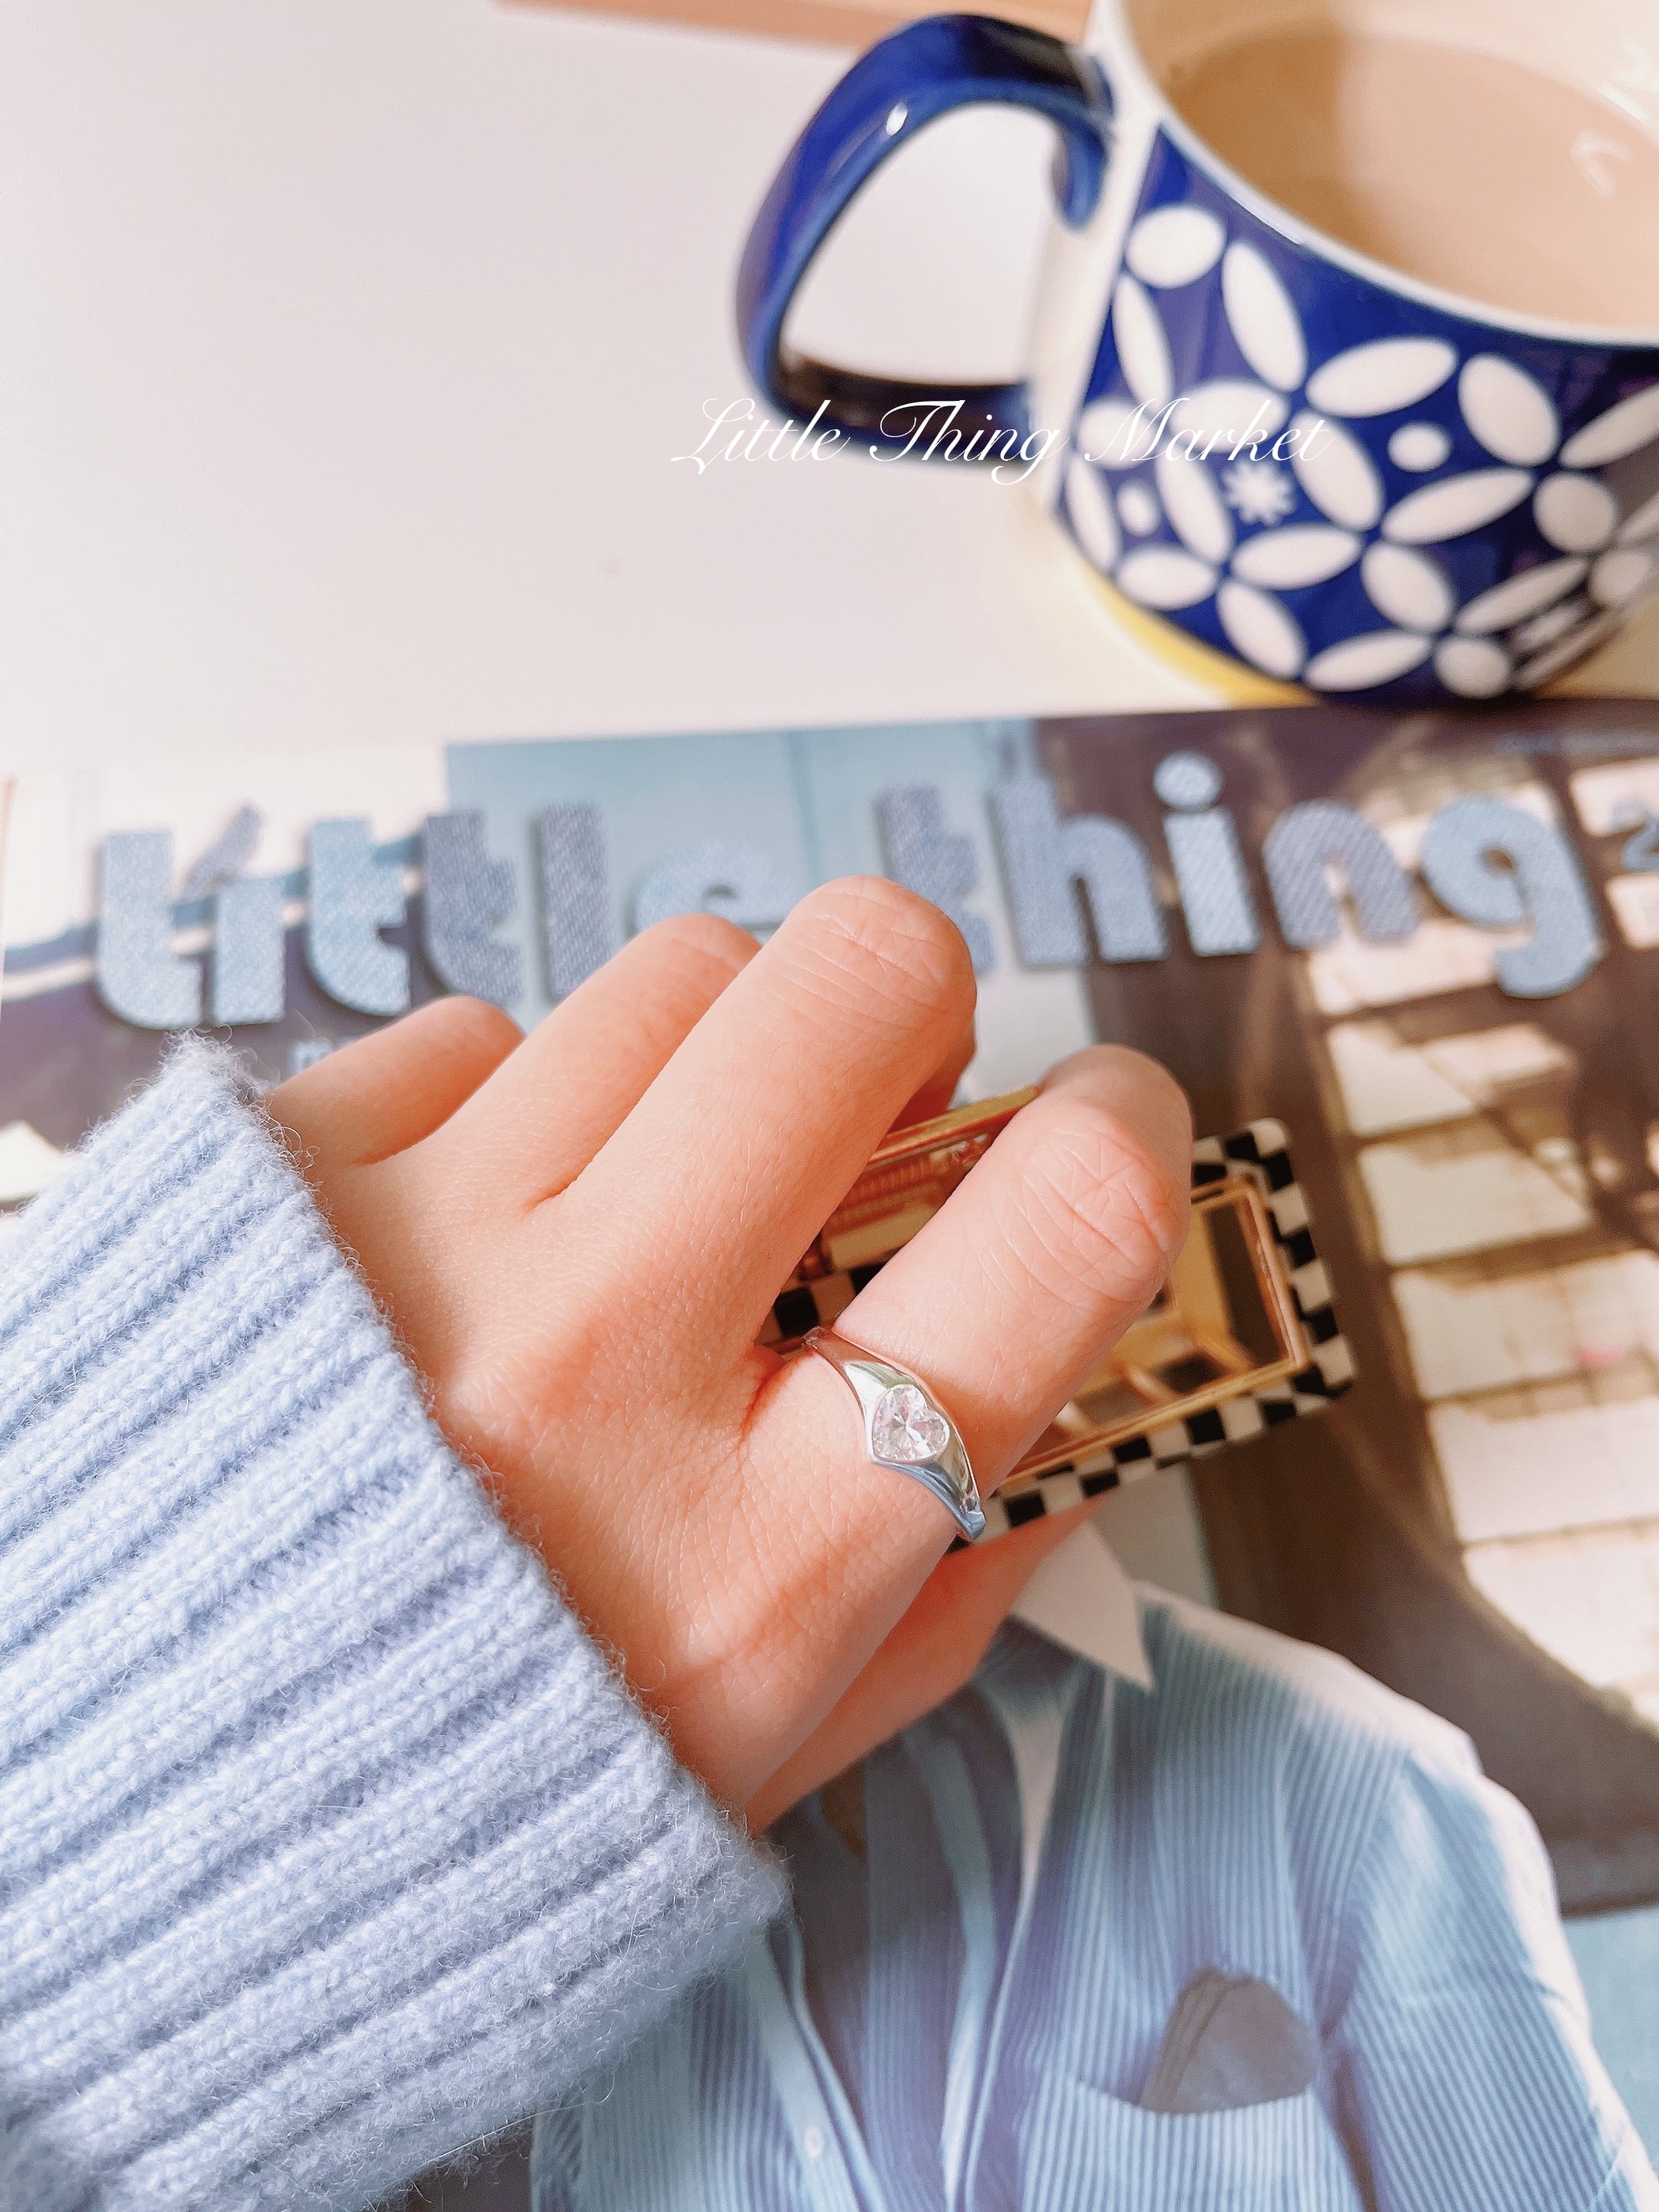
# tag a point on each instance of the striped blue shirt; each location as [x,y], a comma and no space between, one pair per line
[965,2020]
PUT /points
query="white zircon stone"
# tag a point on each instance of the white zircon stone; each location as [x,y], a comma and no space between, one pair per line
[905,1427]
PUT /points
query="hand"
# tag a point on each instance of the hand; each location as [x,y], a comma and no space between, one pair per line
[578,1235]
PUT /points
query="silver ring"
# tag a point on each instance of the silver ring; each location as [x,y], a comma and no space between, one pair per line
[905,1427]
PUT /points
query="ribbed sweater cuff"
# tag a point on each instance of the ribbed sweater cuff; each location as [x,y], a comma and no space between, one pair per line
[327,1841]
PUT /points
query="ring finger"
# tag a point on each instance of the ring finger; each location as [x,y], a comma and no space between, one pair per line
[1003,1306]
[1008,1298]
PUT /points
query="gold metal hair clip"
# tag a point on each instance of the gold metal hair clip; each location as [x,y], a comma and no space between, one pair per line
[1242,1336]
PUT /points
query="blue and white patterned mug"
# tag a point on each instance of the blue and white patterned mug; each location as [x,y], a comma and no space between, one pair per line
[1391,491]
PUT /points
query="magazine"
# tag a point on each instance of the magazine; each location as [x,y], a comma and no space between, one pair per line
[1428,945]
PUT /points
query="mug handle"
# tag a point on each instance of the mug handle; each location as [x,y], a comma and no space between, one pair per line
[905,81]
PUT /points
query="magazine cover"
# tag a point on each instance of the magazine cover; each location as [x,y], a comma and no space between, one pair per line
[1427,945]
[830,1107]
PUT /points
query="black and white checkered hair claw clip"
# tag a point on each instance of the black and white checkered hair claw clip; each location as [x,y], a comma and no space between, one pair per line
[1243,1335]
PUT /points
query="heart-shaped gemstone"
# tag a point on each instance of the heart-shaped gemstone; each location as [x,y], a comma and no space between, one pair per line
[905,1427]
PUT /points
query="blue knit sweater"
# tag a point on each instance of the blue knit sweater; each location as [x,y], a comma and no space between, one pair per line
[328,1842]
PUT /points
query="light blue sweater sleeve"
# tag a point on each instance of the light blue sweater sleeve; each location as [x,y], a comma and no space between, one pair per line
[328,1842]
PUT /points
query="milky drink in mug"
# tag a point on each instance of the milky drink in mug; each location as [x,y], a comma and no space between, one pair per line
[1464,170]
[1346,360]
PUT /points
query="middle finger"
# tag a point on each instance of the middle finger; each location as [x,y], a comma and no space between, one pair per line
[704,1201]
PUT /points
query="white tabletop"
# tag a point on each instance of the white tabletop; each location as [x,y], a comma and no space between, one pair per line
[345,352]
